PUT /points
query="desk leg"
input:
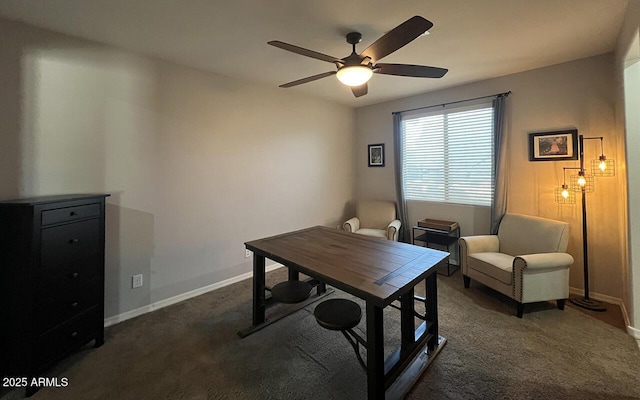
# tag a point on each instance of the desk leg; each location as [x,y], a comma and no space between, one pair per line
[431,306]
[375,353]
[258,289]
[407,323]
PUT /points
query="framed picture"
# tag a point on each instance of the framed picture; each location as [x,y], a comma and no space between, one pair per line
[376,155]
[553,146]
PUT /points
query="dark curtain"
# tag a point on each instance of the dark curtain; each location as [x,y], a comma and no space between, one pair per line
[401,201]
[499,203]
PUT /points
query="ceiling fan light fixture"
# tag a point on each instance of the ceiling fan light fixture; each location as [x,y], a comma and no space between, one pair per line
[354,75]
[356,69]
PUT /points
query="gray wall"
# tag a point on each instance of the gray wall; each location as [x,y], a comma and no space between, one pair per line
[196,163]
[576,94]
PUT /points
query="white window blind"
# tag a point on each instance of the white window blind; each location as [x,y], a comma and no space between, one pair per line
[447,155]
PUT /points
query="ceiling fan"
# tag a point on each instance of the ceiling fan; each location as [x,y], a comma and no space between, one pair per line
[355,70]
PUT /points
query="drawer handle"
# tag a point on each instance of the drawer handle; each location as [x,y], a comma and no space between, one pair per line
[74,304]
[74,275]
[73,214]
[74,335]
[72,241]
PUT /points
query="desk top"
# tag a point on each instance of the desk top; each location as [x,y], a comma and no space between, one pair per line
[371,268]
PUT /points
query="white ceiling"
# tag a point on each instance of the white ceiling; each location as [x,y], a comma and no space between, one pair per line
[474,39]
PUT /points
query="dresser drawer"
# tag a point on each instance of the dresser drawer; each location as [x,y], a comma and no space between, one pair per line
[70,214]
[53,281]
[66,243]
[53,311]
[55,344]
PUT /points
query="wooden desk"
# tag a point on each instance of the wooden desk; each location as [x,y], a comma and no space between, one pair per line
[375,270]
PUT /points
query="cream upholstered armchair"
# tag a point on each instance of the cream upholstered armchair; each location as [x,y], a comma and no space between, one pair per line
[526,260]
[374,218]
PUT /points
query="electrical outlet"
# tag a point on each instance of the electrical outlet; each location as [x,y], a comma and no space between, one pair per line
[136,281]
[247,253]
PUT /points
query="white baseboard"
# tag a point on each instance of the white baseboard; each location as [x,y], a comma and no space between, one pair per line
[598,296]
[634,332]
[181,297]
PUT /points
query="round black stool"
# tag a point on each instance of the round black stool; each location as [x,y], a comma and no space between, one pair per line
[342,315]
[290,292]
[338,314]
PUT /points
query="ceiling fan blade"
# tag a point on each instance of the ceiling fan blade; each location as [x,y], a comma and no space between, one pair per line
[397,38]
[417,71]
[308,79]
[361,90]
[304,52]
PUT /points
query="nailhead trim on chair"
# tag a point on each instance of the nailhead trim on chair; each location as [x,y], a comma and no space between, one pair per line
[521,273]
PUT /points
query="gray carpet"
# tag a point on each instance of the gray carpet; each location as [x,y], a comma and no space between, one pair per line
[191,351]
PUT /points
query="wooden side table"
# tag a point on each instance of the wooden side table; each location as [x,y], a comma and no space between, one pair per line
[440,235]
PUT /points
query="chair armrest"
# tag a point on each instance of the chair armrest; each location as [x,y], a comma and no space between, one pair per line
[480,244]
[352,225]
[393,229]
[542,261]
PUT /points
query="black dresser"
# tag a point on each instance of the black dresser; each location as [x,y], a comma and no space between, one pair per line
[51,280]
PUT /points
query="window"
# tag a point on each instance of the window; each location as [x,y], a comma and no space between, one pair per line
[448,155]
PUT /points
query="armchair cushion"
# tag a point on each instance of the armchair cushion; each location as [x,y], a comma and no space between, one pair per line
[372,232]
[497,265]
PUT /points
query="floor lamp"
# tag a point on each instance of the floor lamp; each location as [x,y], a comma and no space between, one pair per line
[584,183]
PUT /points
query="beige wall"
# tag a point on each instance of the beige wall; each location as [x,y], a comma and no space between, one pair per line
[627,70]
[196,163]
[577,94]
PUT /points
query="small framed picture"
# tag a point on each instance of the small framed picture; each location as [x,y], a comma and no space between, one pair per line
[376,155]
[553,146]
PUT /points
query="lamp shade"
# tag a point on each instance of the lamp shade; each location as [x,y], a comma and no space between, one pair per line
[580,181]
[354,75]
[563,195]
[603,167]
